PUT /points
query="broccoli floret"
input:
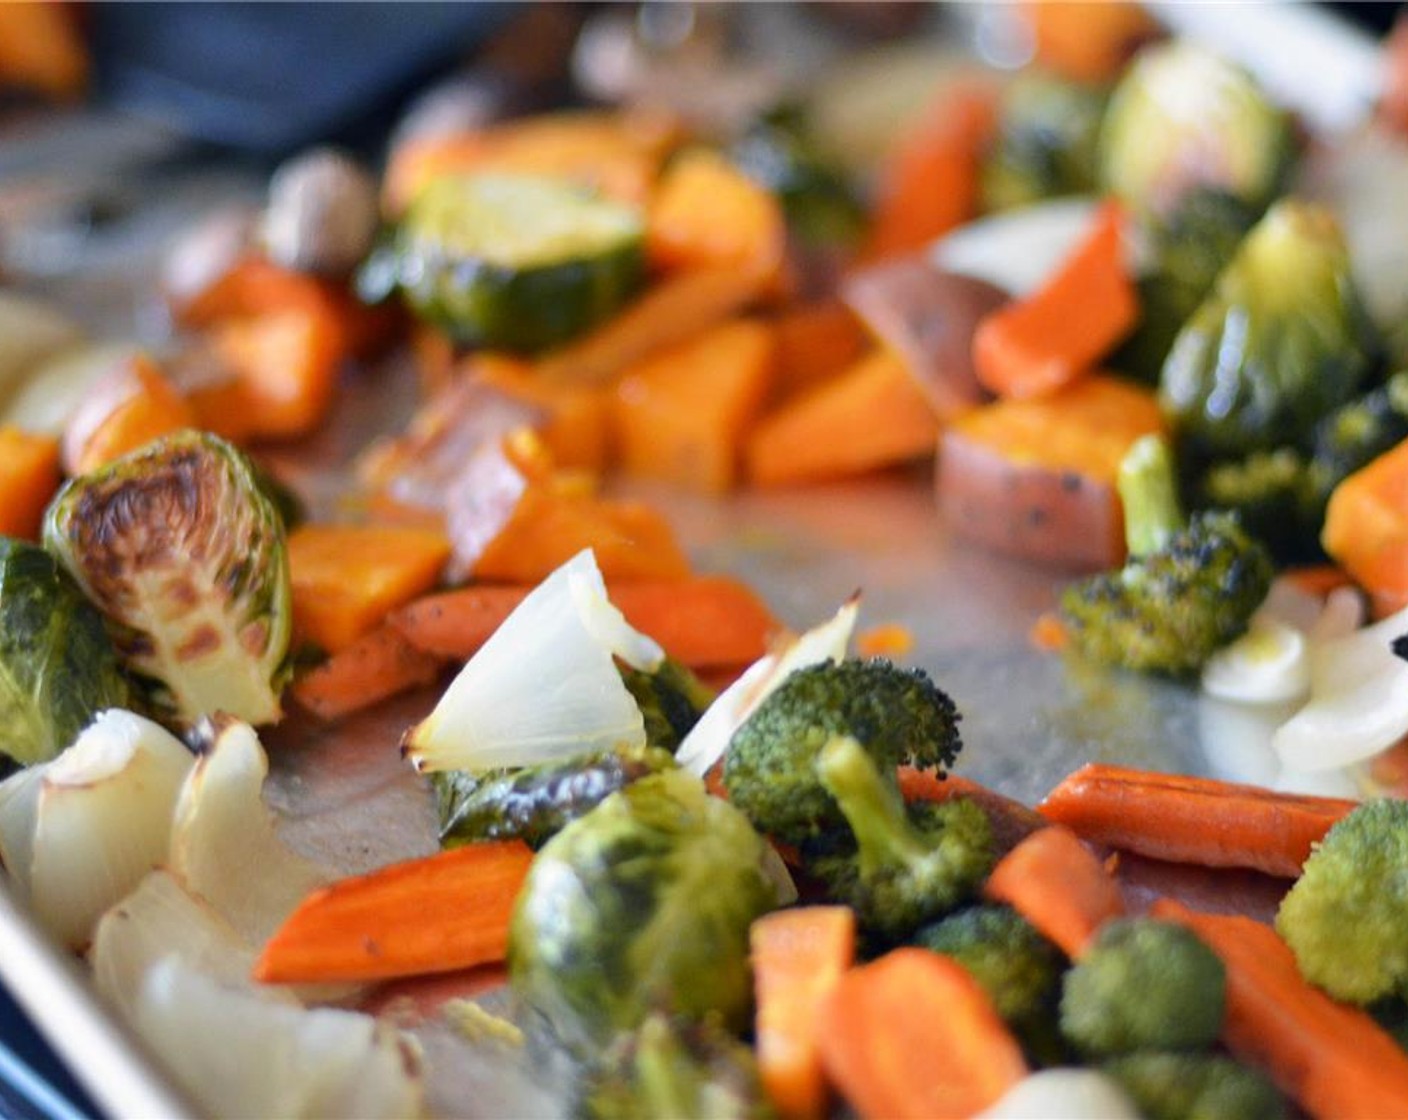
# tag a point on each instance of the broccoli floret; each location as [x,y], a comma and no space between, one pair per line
[898,715]
[671,700]
[675,1067]
[536,802]
[1344,918]
[1143,985]
[909,866]
[1187,589]
[1170,1086]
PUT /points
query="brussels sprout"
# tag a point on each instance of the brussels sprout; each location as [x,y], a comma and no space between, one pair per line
[1182,119]
[184,553]
[1282,340]
[642,905]
[57,665]
[1046,142]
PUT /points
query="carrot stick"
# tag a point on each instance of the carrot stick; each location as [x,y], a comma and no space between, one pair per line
[437,914]
[1053,881]
[1333,1059]
[1034,346]
[377,665]
[1192,820]
[798,957]
[913,1036]
[701,621]
[1318,579]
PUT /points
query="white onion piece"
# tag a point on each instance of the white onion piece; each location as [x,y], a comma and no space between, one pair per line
[709,738]
[1269,664]
[239,1055]
[1339,782]
[31,330]
[1341,616]
[19,804]
[1291,604]
[1064,1094]
[57,386]
[1358,700]
[160,919]
[224,843]
[103,820]
[544,686]
[1019,249]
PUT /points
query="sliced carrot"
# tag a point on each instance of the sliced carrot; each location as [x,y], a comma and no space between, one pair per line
[1332,1058]
[29,478]
[889,639]
[1034,346]
[345,578]
[1089,42]
[131,405]
[798,957]
[815,342]
[1193,820]
[930,183]
[1366,526]
[671,311]
[287,364]
[871,416]
[378,665]
[1053,881]
[1012,822]
[680,416]
[444,912]
[708,214]
[912,1036]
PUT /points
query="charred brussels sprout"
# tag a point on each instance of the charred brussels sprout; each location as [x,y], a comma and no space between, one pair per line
[1182,119]
[184,553]
[671,700]
[536,802]
[1282,340]
[642,905]
[57,665]
[1047,132]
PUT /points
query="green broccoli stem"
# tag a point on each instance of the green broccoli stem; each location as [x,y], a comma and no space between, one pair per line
[873,808]
[1148,487]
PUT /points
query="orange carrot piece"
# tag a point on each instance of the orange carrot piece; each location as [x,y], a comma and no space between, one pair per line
[1048,633]
[708,214]
[913,1036]
[680,416]
[798,957]
[29,478]
[345,578]
[671,311]
[1193,820]
[287,363]
[702,621]
[376,666]
[131,405]
[1332,1058]
[814,343]
[1089,42]
[1318,579]
[1053,881]
[1012,822]
[890,639]
[445,912]
[41,49]
[1034,346]
[871,416]
[930,183]
[576,419]
[1366,526]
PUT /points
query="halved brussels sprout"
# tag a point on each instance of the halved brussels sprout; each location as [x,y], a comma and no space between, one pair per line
[181,549]
[1046,141]
[57,664]
[1182,119]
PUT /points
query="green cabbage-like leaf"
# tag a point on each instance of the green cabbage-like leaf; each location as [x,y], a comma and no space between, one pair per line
[57,665]
[179,546]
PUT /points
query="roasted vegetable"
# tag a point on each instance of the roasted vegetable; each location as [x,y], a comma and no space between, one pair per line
[1183,119]
[534,803]
[910,865]
[1187,589]
[1143,985]
[57,665]
[1358,432]
[1282,340]
[672,1067]
[1275,496]
[898,715]
[642,905]
[671,700]
[179,547]
[514,262]
[1173,1086]
[1344,916]
[1046,141]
